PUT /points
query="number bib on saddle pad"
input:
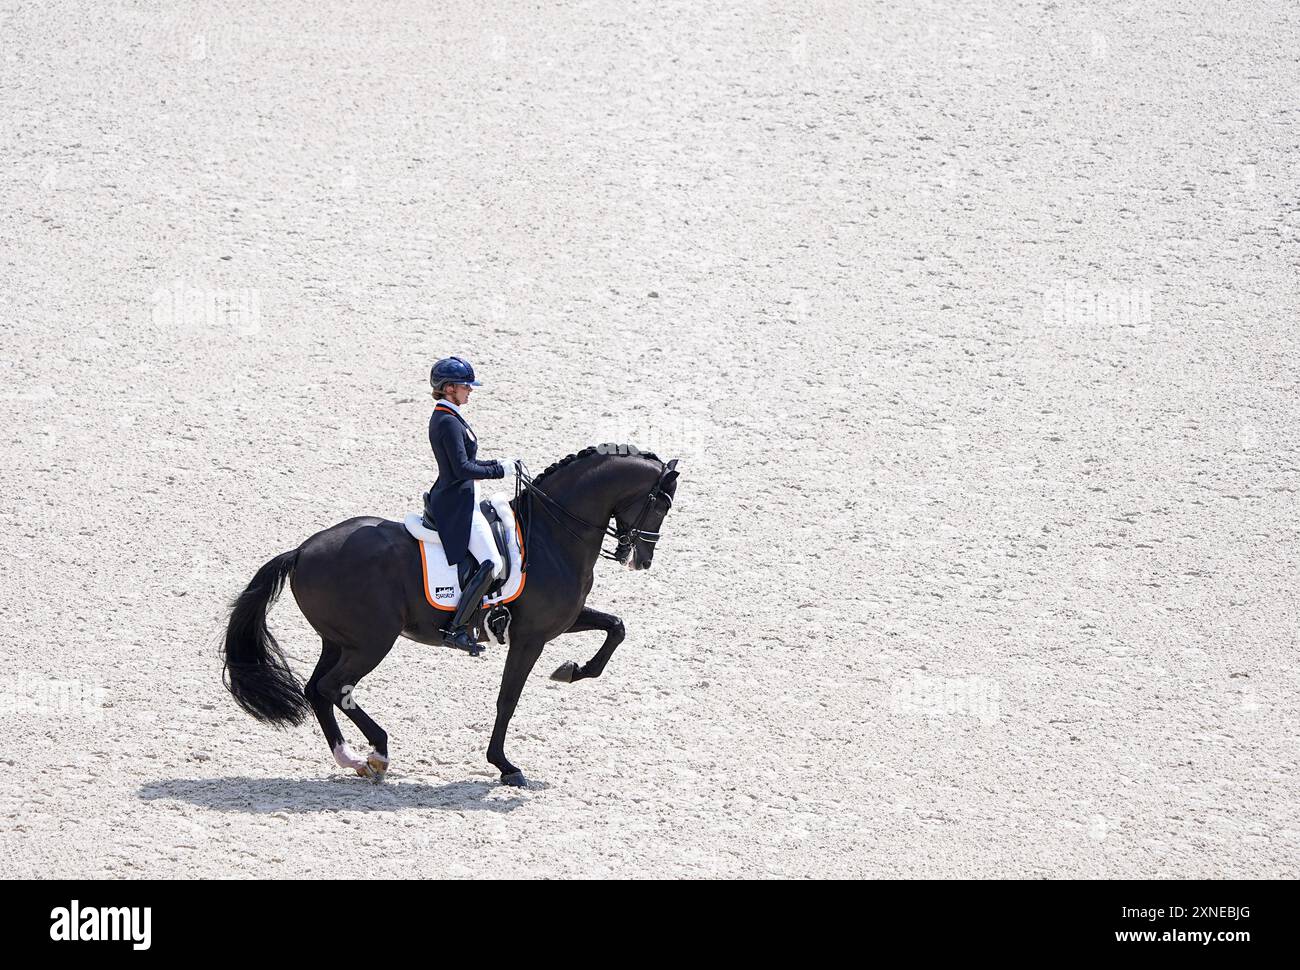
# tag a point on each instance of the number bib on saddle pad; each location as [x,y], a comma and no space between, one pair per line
[441,582]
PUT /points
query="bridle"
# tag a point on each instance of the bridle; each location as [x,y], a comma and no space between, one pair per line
[635,533]
[624,537]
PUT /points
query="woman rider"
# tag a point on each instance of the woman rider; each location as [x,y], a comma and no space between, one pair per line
[453,501]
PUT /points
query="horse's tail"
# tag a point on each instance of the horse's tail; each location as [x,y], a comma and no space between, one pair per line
[256,672]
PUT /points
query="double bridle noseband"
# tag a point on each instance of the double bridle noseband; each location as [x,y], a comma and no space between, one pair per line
[625,537]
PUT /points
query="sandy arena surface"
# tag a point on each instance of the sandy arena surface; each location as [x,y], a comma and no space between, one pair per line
[1000,582]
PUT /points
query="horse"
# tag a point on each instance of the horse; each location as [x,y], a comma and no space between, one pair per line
[360,584]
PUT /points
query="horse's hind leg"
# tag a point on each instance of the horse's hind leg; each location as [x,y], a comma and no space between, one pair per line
[324,708]
[377,760]
[337,687]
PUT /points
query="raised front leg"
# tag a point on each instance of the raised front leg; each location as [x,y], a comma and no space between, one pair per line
[519,663]
[590,619]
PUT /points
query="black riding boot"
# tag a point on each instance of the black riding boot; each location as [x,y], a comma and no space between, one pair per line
[457,633]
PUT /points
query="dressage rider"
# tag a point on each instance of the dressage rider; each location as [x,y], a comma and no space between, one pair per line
[454,498]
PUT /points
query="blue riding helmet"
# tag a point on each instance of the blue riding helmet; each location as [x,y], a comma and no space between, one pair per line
[452,370]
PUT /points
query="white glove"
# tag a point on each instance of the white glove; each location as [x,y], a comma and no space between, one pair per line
[509,464]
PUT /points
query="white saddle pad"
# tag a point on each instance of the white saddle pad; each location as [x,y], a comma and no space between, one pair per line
[442,585]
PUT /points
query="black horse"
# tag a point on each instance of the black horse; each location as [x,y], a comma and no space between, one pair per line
[360,584]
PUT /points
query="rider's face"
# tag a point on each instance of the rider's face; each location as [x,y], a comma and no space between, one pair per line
[458,393]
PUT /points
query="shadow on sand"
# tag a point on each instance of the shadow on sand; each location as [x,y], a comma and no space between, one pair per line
[257,796]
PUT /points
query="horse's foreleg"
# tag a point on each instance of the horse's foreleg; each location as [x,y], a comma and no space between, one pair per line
[519,663]
[590,619]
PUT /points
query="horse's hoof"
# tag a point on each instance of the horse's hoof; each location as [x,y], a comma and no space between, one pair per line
[377,766]
[515,779]
[565,672]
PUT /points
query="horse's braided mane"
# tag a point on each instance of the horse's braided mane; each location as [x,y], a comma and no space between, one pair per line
[591,450]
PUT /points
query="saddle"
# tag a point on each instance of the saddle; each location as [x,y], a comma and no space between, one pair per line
[469,565]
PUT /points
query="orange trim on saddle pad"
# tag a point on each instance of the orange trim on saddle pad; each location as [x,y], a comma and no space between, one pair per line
[424,569]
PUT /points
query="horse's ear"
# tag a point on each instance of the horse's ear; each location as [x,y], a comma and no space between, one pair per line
[672,465]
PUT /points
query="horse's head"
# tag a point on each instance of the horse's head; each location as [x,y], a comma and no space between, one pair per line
[638,523]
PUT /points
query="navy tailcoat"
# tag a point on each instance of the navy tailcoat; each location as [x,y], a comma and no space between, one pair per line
[451,499]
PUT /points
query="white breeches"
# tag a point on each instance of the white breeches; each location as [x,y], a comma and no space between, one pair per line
[481,544]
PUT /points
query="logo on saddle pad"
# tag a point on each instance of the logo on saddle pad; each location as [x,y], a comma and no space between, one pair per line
[441,582]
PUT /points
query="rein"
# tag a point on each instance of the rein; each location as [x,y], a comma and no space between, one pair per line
[524,481]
